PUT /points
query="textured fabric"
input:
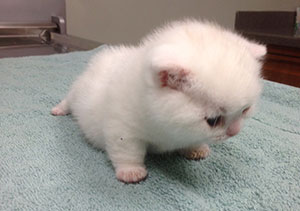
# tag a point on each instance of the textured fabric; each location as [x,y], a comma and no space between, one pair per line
[45,163]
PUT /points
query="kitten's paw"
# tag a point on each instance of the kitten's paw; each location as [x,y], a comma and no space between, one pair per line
[60,109]
[57,111]
[132,174]
[199,153]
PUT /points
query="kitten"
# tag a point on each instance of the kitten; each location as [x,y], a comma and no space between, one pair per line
[186,85]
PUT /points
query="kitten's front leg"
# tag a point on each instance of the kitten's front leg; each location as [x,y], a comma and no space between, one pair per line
[127,156]
[196,153]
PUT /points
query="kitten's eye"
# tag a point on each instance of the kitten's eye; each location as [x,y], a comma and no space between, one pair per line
[246,110]
[213,122]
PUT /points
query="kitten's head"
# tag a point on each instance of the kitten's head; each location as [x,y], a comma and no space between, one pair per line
[204,81]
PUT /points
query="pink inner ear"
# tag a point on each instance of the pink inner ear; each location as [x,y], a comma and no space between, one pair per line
[173,79]
[164,76]
[257,50]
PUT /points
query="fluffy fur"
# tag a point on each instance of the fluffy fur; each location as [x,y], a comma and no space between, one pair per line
[186,85]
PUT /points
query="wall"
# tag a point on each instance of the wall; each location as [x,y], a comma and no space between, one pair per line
[126,21]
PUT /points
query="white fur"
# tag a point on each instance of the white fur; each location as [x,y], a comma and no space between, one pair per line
[121,106]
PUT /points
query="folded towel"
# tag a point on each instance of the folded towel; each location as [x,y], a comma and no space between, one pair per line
[46,164]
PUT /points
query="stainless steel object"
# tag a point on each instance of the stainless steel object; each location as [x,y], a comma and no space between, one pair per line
[35,27]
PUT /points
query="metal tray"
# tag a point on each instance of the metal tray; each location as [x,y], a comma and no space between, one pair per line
[35,27]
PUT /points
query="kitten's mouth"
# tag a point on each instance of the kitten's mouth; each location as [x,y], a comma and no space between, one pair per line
[221,138]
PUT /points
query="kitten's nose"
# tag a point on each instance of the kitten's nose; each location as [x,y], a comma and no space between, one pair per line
[234,128]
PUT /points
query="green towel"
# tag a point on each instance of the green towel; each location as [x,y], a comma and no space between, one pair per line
[46,164]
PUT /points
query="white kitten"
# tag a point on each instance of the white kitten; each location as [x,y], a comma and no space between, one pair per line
[186,85]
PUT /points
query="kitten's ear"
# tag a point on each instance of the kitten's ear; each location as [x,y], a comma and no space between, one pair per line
[176,78]
[169,68]
[257,50]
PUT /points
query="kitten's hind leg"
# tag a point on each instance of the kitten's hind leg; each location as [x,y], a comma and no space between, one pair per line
[196,153]
[61,109]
